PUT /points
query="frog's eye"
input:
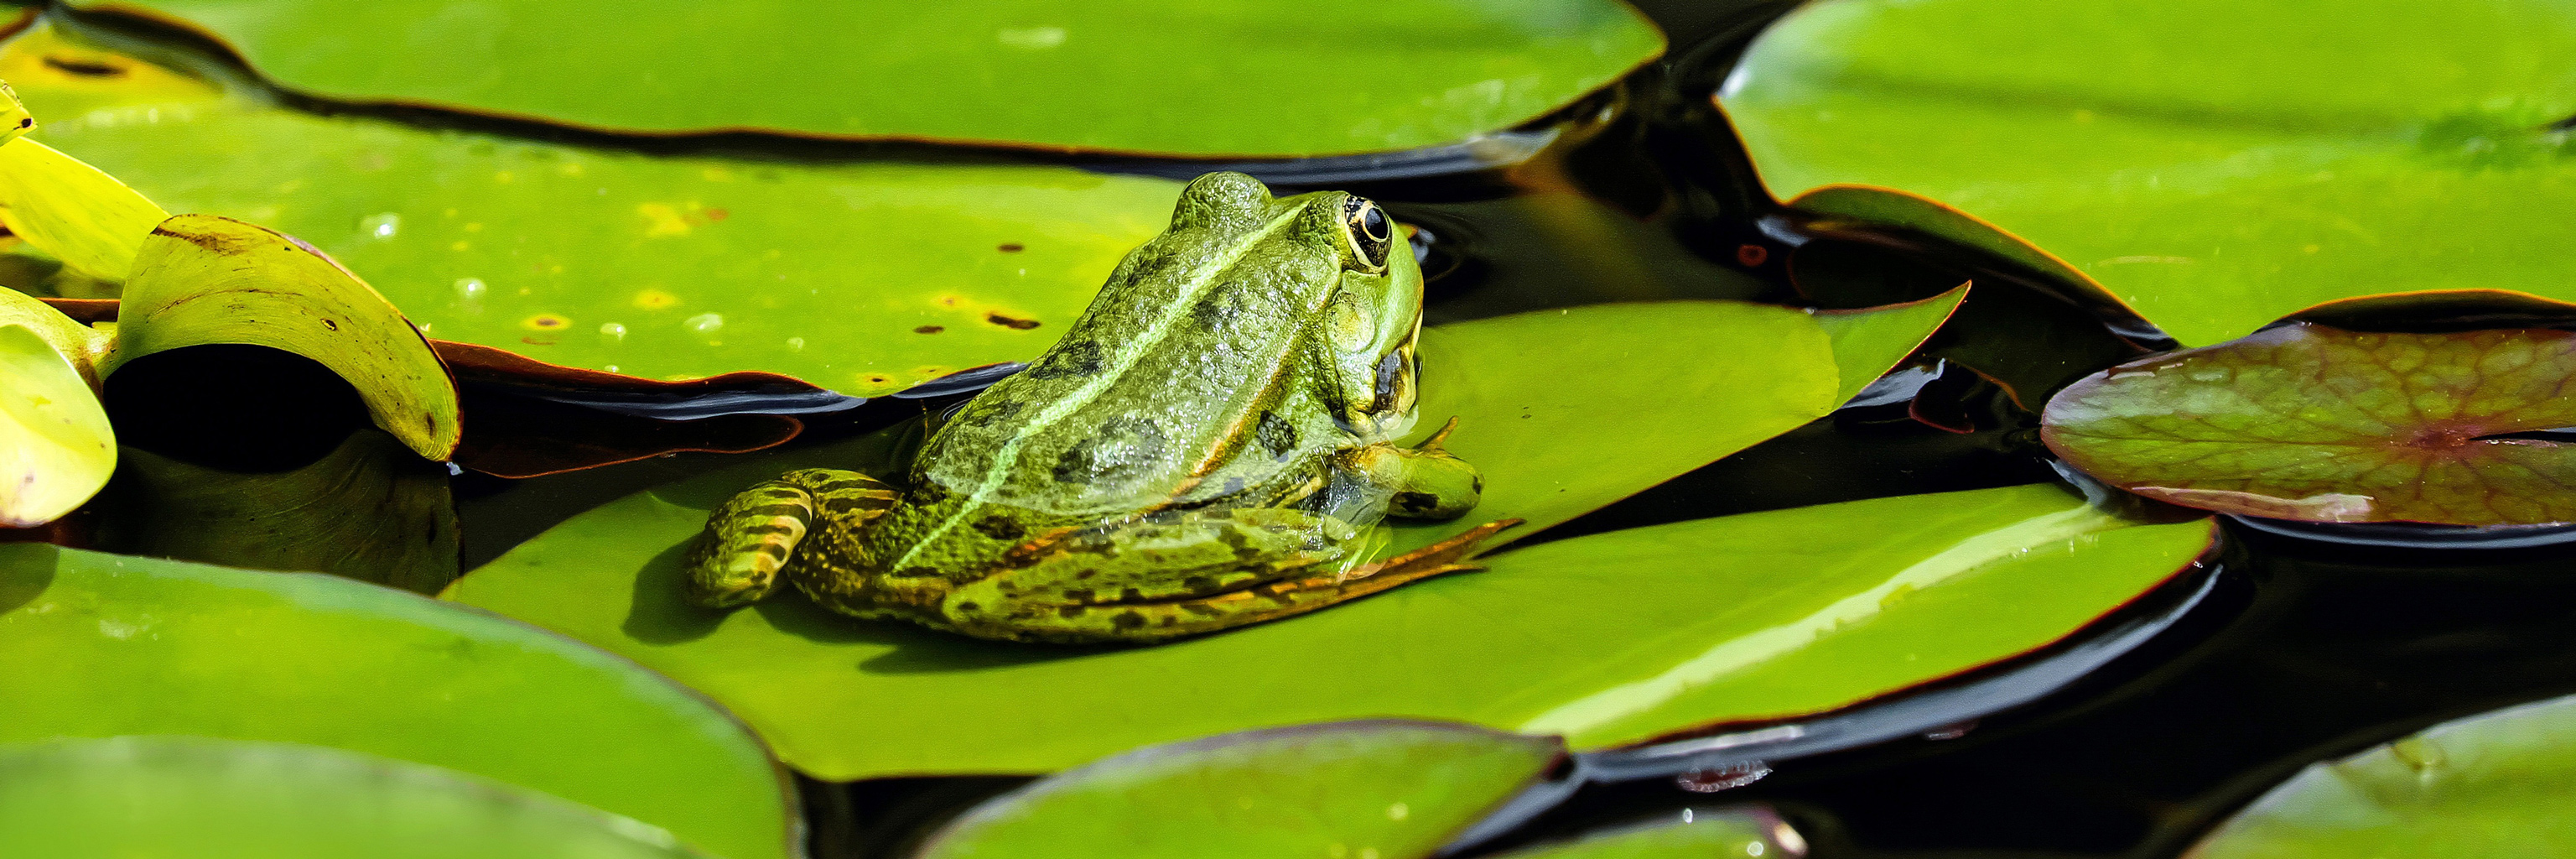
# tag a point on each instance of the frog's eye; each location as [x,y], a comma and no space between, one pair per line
[1369,232]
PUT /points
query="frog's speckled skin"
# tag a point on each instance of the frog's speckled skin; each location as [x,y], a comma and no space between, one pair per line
[1201,450]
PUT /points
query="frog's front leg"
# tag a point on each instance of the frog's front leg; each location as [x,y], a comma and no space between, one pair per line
[752,537]
[1427,482]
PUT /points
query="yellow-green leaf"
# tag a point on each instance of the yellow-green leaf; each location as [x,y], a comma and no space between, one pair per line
[56,449]
[84,217]
[202,279]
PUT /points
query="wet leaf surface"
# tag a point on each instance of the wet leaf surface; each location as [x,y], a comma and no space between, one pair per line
[2208,172]
[1396,790]
[1613,639]
[2495,784]
[99,645]
[195,796]
[864,277]
[1178,76]
[2321,424]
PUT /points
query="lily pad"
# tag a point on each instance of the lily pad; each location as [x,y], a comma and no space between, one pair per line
[862,277]
[56,448]
[2321,424]
[1747,832]
[1171,76]
[2496,784]
[202,280]
[1612,639]
[1396,790]
[193,796]
[2207,171]
[1484,372]
[99,645]
[69,209]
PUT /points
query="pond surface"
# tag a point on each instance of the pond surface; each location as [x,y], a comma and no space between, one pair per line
[2300,649]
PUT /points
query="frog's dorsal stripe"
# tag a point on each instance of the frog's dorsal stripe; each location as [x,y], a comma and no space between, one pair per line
[1008,457]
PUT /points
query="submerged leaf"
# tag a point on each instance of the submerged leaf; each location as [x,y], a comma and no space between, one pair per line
[1175,76]
[2322,424]
[202,280]
[1396,790]
[63,207]
[2496,784]
[2205,169]
[98,645]
[196,796]
[369,510]
[56,448]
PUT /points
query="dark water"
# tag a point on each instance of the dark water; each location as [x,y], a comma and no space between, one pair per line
[2295,651]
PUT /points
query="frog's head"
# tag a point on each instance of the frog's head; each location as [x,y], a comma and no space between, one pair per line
[14,118]
[1342,270]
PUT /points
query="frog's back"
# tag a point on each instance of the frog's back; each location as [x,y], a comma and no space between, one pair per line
[1190,353]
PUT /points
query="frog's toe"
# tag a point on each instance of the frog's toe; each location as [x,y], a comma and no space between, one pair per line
[747,542]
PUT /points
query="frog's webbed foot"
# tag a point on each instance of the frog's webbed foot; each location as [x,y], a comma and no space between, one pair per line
[752,537]
[1428,481]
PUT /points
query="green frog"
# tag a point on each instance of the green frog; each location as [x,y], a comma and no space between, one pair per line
[1208,446]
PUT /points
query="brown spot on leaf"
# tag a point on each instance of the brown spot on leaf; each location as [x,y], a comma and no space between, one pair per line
[330,325]
[1011,322]
[929,329]
[1010,247]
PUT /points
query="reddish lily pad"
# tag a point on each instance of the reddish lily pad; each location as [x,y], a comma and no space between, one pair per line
[2323,424]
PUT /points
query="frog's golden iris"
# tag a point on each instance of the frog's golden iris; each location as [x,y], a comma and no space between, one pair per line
[1208,446]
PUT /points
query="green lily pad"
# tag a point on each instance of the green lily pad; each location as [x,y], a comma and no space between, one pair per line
[863,278]
[1171,76]
[1608,651]
[99,645]
[1724,832]
[2207,171]
[2496,784]
[56,448]
[194,796]
[1484,372]
[202,280]
[69,209]
[2322,424]
[1395,790]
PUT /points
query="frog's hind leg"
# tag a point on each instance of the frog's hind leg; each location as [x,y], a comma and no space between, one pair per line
[752,537]
[1067,599]
[1290,597]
